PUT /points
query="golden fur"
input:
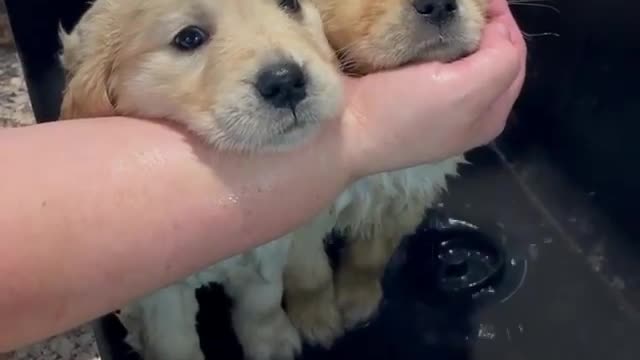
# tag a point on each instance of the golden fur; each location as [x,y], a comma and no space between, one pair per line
[378,211]
[371,35]
[122,59]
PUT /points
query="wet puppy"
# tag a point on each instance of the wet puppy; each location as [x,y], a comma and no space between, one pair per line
[245,75]
[378,211]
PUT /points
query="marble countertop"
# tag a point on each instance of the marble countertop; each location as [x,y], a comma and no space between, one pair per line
[15,110]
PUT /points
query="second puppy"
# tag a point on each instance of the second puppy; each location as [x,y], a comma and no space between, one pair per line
[376,212]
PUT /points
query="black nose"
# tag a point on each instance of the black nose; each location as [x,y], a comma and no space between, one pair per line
[436,11]
[282,85]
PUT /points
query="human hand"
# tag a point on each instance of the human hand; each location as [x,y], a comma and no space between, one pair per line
[428,112]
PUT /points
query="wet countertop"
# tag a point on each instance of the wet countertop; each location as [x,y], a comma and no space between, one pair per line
[15,110]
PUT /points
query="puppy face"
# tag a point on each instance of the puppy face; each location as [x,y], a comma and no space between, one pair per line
[372,35]
[246,75]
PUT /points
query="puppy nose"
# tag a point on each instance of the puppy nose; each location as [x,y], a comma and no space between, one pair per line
[282,85]
[436,11]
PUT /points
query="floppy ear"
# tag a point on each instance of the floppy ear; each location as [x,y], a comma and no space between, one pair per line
[87,78]
[86,93]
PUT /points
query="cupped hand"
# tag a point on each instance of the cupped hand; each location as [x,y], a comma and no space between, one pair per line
[428,112]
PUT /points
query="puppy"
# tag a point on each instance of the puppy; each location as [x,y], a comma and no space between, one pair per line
[378,211]
[245,75]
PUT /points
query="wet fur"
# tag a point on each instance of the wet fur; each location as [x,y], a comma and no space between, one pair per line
[383,34]
[119,61]
[376,212]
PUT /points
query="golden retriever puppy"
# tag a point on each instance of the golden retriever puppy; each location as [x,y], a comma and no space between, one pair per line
[376,212]
[245,75]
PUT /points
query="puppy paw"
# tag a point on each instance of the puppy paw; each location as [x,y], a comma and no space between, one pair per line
[279,340]
[358,298]
[316,316]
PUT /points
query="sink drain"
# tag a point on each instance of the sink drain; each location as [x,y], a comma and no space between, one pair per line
[466,263]
[451,262]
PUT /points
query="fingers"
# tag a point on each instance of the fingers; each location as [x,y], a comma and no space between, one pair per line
[499,11]
[498,8]
[498,112]
[491,124]
[483,76]
[494,120]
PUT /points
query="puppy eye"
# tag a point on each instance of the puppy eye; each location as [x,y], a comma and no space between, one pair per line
[190,38]
[290,5]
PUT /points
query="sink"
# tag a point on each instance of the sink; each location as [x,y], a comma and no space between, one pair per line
[534,251]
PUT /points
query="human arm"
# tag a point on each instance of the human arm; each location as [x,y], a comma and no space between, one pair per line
[97,212]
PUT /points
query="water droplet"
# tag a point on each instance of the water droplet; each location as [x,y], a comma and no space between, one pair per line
[486,332]
[618,283]
[533,251]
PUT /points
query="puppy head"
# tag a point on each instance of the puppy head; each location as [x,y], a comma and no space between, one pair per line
[372,35]
[246,75]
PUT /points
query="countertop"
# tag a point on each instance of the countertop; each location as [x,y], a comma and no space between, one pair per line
[15,110]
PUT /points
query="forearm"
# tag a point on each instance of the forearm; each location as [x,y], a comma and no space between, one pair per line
[122,206]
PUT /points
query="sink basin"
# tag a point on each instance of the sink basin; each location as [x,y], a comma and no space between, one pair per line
[533,253]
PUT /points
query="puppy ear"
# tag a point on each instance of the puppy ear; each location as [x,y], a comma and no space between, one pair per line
[86,93]
[87,79]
